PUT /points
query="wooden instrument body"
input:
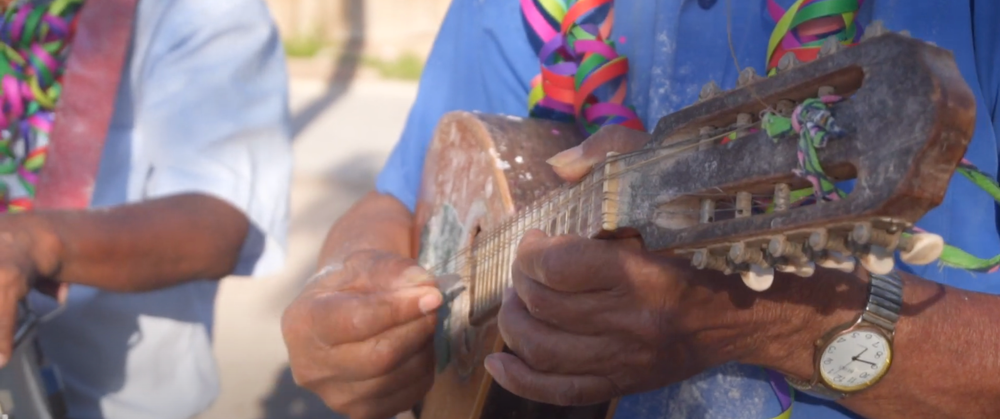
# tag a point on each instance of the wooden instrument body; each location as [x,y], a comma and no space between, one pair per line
[480,170]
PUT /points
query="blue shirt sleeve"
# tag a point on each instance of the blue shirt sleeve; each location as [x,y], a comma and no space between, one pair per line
[481,61]
[986,43]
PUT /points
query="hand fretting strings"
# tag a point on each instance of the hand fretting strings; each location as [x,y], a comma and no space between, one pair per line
[507,233]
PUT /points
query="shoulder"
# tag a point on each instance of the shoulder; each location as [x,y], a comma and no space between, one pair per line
[172,22]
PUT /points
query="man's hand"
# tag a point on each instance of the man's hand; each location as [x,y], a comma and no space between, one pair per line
[361,336]
[593,320]
[20,246]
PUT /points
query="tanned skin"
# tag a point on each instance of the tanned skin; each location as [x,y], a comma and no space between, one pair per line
[359,335]
[130,248]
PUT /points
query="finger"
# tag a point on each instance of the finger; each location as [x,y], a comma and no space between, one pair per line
[391,405]
[572,263]
[380,354]
[342,395]
[582,313]
[576,162]
[10,293]
[562,390]
[8,323]
[548,349]
[345,317]
[384,271]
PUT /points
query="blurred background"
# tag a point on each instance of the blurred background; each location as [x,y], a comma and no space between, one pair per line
[353,67]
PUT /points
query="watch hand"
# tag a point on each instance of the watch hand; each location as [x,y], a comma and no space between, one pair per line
[861,360]
[862,352]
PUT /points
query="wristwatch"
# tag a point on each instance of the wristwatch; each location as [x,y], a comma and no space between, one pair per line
[855,356]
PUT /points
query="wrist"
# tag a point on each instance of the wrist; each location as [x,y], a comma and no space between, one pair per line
[34,235]
[802,311]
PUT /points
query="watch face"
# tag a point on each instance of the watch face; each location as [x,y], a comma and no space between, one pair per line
[855,360]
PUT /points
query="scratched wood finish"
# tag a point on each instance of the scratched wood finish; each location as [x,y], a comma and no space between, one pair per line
[909,121]
[83,115]
[487,167]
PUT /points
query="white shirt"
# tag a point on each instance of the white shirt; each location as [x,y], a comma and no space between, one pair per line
[202,107]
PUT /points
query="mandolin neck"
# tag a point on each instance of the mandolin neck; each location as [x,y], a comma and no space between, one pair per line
[580,209]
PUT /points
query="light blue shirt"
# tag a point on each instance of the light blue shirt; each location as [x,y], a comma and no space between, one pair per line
[201,108]
[482,61]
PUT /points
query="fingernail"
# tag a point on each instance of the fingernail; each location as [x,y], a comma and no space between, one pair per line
[413,275]
[566,157]
[494,367]
[430,302]
[3,360]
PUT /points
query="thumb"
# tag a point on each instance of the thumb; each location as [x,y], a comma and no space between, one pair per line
[573,164]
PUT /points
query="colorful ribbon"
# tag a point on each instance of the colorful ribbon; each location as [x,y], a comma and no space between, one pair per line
[35,40]
[582,78]
[802,29]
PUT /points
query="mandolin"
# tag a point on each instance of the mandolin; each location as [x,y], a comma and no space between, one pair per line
[907,117]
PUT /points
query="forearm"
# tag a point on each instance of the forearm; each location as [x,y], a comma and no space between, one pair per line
[376,222]
[137,247]
[945,349]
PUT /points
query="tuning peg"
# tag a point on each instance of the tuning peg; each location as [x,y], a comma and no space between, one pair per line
[788,62]
[785,107]
[709,90]
[823,240]
[704,142]
[804,270]
[782,197]
[740,253]
[703,259]
[744,204]
[707,213]
[921,248]
[743,120]
[758,278]
[747,77]
[838,261]
[877,28]
[877,260]
[831,45]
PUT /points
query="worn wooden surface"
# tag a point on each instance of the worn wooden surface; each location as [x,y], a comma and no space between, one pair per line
[485,167]
[908,126]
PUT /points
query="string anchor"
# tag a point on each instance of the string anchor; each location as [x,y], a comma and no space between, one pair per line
[876,29]
[788,62]
[709,90]
[747,77]
[830,46]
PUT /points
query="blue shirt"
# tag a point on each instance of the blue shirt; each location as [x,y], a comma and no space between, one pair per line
[482,61]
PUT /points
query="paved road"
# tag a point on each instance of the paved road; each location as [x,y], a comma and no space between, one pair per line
[343,137]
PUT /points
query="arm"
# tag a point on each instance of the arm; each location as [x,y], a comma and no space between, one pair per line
[946,348]
[131,248]
[376,222]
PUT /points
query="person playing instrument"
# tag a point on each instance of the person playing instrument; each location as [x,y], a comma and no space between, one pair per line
[591,320]
[192,186]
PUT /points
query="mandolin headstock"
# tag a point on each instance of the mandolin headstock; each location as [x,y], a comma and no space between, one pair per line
[907,116]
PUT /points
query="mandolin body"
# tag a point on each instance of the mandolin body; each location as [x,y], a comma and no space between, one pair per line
[481,169]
